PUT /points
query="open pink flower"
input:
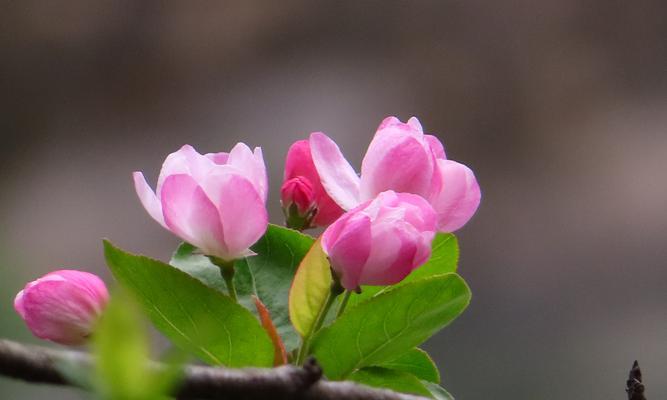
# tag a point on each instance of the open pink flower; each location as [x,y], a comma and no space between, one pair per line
[299,165]
[216,202]
[401,158]
[62,306]
[381,241]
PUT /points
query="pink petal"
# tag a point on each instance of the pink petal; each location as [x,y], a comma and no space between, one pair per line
[299,164]
[418,212]
[191,215]
[389,121]
[218,158]
[184,161]
[395,161]
[436,146]
[392,255]
[241,209]
[336,174]
[415,124]
[458,198]
[349,252]
[148,198]
[251,165]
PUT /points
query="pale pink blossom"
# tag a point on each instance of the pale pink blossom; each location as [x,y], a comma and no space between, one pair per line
[403,159]
[299,165]
[62,306]
[216,202]
[381,241]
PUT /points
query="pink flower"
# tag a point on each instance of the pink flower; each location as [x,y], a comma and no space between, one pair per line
[299,164]
[214,201]
[381,241]
[62,306]
[403,159]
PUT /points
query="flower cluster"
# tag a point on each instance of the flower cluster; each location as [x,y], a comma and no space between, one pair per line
[379,225]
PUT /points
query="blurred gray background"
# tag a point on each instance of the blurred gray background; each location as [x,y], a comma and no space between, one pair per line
[560,107]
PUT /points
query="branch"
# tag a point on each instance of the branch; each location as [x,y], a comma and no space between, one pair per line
[40,365]
[635,387]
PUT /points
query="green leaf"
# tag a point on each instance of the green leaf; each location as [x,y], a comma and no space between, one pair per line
[310,289]
[444,259]
[385,378]
[267,275]
[121,351]
[390,323]
[416,362]
[279,253]
[437,391]
[195,317]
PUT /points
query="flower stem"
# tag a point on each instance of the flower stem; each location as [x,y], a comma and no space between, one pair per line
[343,303]
[227,271]
[336,289]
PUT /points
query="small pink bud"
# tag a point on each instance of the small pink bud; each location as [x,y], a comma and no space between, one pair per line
[298,191]
[381,241]
[299,165]
[298,201]
[62,306]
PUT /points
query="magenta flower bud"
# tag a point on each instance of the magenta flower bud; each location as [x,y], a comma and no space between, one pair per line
[403,159]
[381,241]
[299,165]
[216,202]
[62,306]
[298,200]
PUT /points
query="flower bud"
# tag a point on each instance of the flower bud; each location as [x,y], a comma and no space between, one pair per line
[299,165]
[381,241]
[216,202]
[298,201]
[62,306]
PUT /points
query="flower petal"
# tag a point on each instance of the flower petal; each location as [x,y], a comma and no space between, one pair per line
[242,211]
[336,173]
[251,165]
[190,214]
[350,249]
[436,146]
[148,198]
[395,161]
[299,164]
[458,198]
[184,161]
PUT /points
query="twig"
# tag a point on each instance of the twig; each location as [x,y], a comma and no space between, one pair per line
[635,387]
[40,365]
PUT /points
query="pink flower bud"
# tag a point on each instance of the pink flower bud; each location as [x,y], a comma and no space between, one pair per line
[298,201]
[403,159]
[62,306]
[298,192]
[381,241]
[299,164]
[216,202]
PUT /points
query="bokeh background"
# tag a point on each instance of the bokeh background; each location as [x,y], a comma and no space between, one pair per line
[560,107]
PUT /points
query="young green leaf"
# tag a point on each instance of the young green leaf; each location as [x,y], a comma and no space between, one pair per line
[280,355]
[385,378]
[195,317]
[390,323]
[121,348]
[279,253]
[309,291]
[267,275]
[416,362]
[444,259]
